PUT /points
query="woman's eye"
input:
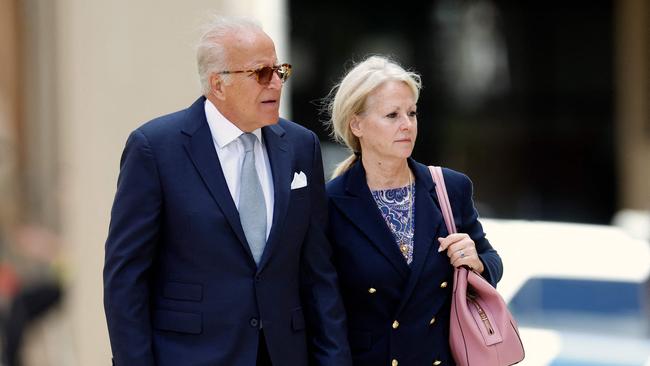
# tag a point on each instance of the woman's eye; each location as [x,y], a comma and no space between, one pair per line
[392,115]
[413,114]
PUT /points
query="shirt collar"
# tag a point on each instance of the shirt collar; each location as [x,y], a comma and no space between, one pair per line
[223,131]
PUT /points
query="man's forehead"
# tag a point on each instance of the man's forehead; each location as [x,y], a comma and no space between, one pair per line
[272,61]
[253,60]
[254,49]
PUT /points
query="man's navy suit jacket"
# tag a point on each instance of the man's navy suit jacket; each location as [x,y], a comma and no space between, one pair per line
[180,284]
[405,317]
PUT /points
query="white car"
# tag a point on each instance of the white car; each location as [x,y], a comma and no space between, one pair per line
[580,293]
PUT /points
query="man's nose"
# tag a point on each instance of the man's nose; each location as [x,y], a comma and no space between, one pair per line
[276,81]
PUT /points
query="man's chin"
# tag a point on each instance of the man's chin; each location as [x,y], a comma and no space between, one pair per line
[271,120]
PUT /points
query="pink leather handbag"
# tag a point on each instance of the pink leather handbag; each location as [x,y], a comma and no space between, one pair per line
[482,330]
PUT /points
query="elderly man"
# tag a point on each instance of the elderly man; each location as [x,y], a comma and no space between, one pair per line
[216,252]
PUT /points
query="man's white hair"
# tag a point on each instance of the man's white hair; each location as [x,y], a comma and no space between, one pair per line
[211,53]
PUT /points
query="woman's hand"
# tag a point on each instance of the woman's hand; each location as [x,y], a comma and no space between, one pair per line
[461,250]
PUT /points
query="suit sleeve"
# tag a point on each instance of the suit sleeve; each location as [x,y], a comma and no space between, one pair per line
[325,315]
[133,231]
[472,226]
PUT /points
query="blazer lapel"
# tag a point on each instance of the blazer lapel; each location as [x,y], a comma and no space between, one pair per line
[279,157]
[360,208]
[428,225]
[200,148]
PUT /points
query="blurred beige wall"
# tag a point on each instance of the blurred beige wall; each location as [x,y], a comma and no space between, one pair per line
[9,106]
[632,105]
[101,68]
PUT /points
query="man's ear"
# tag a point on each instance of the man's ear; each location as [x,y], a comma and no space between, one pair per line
[217,87]
[355,126]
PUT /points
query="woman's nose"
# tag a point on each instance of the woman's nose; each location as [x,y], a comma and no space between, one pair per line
[406,123]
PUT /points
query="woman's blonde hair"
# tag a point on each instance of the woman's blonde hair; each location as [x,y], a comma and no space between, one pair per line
[348,98]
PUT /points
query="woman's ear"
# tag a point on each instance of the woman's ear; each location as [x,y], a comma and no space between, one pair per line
[355,126]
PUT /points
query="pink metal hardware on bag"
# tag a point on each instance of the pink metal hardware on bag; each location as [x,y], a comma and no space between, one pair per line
[482,332]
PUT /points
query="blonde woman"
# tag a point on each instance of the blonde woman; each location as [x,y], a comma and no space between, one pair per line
[393,254]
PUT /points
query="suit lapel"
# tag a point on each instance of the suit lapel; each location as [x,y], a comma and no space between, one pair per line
[360,208]
[200,148]
[428,225]
[280,159]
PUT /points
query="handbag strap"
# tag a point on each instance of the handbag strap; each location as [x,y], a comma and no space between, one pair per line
[443,198]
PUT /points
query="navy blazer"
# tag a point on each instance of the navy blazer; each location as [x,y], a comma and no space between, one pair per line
[180,284]
[399,314]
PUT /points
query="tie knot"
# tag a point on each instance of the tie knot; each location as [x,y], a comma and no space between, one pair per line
[248,139]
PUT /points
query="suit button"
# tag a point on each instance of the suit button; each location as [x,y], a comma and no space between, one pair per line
[254,322]
[258,278]
[394,362]
[443,285]
[372,290]
[437,362]
[395,324]
[433,320]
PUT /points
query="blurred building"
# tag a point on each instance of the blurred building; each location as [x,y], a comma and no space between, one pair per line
[518,96]
[544,104]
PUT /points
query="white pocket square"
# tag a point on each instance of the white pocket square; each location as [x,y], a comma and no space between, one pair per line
[299,180]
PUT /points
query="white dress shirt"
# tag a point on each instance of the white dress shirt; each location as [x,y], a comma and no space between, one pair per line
[230,150]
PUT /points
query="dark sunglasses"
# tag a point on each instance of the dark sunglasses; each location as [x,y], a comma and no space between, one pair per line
[264,74]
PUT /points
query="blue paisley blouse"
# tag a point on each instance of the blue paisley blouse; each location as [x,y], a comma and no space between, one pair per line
[397,206]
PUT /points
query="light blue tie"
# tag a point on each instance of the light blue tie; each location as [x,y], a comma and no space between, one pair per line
[252,208]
